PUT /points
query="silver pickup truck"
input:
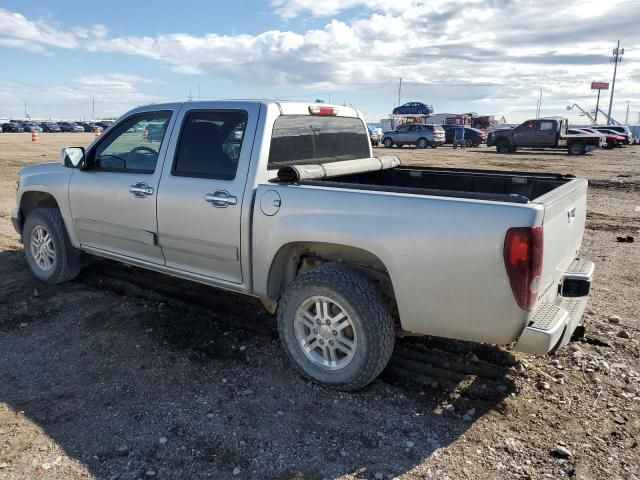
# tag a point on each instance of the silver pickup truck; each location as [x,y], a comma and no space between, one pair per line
[285,202]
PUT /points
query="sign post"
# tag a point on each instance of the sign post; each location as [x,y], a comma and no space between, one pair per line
[598,86]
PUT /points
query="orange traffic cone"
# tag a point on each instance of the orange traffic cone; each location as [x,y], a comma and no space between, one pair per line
[34,135]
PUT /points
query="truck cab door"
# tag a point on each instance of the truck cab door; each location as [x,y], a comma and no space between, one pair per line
[202,186]
[547,133]
[113,200]
[525,134]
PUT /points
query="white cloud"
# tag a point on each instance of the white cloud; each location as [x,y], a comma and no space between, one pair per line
[517,44]
[18,31]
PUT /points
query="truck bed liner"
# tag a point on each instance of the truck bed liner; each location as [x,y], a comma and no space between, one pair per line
[512,187]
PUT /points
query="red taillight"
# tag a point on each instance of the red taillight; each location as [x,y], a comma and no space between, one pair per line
[523,259]
[319,110]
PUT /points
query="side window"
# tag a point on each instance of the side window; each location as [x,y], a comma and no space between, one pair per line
[546,126]
[210,144]
[134,145]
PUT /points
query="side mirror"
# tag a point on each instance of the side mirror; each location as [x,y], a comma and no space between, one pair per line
[73,157]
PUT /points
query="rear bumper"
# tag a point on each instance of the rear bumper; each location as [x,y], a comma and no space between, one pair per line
[551,325]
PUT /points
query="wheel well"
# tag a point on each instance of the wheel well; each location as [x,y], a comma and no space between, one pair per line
[33,200]
[296,258]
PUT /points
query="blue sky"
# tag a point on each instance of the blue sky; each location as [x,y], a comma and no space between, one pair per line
[488,56]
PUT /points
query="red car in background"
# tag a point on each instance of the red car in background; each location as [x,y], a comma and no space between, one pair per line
[613,139]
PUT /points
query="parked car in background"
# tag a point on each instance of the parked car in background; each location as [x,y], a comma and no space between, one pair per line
[422,136]
[613,140]
[105,124]
[374,136]
[543,133]
[620,130]
[12,127]
[90,127]
[472,136]
[31,127]
[623,139]
[155,131]
[50,127]
[70,127]
[417,108]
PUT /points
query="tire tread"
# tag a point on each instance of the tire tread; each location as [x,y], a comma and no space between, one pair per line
[371,307]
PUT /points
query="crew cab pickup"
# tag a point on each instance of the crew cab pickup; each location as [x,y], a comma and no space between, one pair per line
[543,133]
[284,202]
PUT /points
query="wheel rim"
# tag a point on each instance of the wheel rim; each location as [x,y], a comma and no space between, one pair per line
[325,333]
[422,143]
[387,143]
[42,248]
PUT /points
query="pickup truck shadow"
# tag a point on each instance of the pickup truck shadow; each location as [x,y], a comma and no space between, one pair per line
[129,371]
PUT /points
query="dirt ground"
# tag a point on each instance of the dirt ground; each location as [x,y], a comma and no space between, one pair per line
[127,374]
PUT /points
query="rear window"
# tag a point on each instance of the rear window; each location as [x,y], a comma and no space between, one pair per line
[308,139]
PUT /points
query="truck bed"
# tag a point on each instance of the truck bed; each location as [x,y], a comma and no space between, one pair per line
[512,187]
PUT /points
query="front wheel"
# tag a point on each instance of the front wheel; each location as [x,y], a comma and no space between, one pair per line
[576,148]
[422,143]
[335,328]
[50,255]
[503,146]
[388,143]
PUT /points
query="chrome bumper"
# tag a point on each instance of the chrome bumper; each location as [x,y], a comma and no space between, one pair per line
[552,324]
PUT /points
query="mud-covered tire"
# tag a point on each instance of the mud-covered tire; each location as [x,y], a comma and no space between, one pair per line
[364,305]
[66,262]
[576,148]
[387,142]
[503,146]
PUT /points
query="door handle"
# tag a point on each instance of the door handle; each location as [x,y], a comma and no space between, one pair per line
[221,199]
[141,190]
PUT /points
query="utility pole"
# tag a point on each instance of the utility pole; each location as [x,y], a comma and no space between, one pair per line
[539,104]
[399,91]
[25,109]
[595,120]
[615,59]
[190,95]
[626,119]
[93,108]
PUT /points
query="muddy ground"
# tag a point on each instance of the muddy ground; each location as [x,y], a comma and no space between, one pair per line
[126,374]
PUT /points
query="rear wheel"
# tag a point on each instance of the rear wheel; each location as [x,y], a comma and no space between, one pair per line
[335,328]
[50,255]
[503,146]
[387,142]
[422,143]
[576,148]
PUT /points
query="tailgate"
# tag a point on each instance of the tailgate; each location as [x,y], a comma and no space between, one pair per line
[564,220]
